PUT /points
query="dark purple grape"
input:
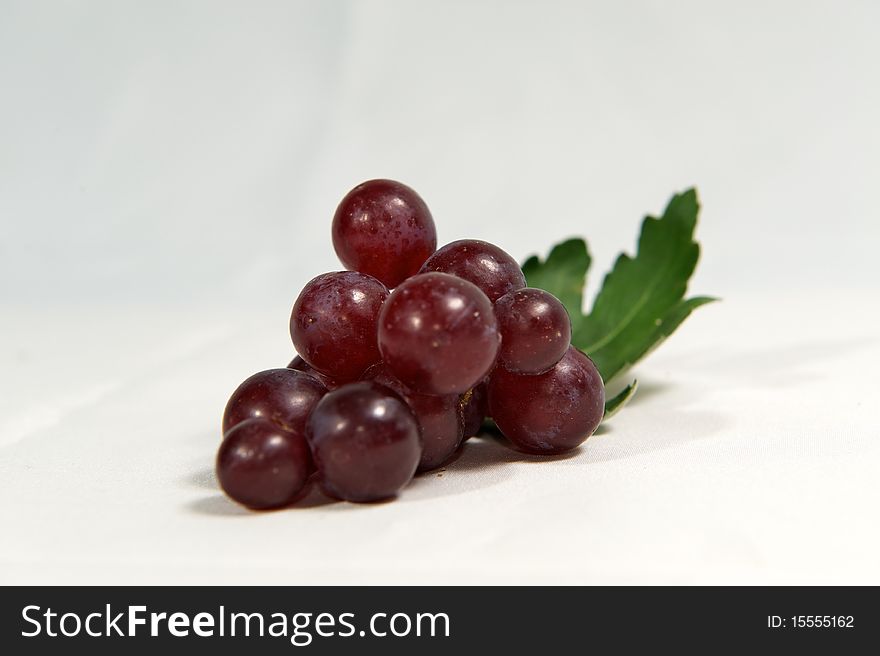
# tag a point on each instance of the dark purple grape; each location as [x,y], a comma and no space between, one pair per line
[333,323]
[438,334]
[482,263]
[283,396]
[551,412]
[474,405]
[365,441]
[301,365]
[535,330]
[383,228]
[261,465]
[439,420]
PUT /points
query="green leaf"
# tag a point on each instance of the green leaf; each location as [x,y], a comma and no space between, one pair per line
[614,405]
[563,273]
[641,300]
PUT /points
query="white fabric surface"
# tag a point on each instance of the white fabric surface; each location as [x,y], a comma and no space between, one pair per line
[167,176]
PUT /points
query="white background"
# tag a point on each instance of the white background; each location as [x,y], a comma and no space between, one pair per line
[168,172]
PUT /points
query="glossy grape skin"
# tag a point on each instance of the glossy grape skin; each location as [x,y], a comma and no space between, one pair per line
[384,229]
[439,419]
[365,441]
[552,412]
[261,465]
[334,320]
[535,330]
[301,365]
[283,396]
[484,264]
[474,406]
[438,334]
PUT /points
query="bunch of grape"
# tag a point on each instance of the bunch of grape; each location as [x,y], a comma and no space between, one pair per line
[388,383]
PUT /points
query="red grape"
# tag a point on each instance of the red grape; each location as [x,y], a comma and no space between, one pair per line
[333,323]
[535,330]
[551,412]
[283,396]
[479,262]
[261,465]
[383,228]
[438,416]
[438,334]
[365,441]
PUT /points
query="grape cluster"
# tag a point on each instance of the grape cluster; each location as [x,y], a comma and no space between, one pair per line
[389,383]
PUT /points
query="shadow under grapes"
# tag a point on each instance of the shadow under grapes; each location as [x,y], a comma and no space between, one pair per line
[203,478]
[217,505]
